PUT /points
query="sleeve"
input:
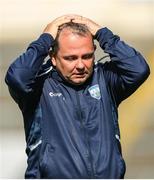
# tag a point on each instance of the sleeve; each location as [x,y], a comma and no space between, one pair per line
[21,75]
[127,69]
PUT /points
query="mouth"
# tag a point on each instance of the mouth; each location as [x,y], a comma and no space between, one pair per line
[80,75]
[78,78]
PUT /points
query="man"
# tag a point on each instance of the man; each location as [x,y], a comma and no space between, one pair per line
[69,103]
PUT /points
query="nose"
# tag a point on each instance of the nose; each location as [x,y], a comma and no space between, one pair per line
[80,65]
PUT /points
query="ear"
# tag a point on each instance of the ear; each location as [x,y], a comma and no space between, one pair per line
[53,60]
[52,57]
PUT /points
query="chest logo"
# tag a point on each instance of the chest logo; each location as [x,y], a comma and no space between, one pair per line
[51,94]
[95,91]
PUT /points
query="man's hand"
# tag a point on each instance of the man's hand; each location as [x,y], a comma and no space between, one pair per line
[52,27]
[92,26]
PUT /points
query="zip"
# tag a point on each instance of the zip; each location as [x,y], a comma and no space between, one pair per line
[85,135]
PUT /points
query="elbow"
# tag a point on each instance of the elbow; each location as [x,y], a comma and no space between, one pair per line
[9,77]
[144,71]
[138,77]
[15,81]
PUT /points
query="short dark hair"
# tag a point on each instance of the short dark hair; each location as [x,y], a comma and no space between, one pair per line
[76,28]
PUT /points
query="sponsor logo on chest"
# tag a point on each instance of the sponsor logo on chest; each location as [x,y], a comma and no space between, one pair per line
[51,94]
[95,91]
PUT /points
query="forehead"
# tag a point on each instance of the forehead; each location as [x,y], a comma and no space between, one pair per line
[70,40]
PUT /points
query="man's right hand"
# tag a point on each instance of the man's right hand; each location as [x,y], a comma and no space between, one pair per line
[52,27]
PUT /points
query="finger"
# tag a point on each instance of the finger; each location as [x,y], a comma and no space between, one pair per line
[74,16]
[80,21]
[68,16]
[62,21]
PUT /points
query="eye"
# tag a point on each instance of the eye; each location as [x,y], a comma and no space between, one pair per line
[70,58]
[88,56]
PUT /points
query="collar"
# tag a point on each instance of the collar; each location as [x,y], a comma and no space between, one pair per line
[58,77]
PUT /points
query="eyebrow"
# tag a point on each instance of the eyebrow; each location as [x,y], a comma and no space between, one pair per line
[87,55]
[84,56]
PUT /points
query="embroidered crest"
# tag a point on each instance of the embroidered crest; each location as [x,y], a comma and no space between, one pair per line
[95,91]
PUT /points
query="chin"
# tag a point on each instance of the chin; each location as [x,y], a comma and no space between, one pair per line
[79,82]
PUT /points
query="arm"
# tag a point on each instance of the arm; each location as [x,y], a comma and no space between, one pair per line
[21,75]
[127,69]
[22,72]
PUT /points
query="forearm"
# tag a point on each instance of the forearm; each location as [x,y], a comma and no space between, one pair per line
[21,75]
[111,44]
[22,72]
[127,69]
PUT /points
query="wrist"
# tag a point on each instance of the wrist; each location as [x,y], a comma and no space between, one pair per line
[103,35]
[46,39]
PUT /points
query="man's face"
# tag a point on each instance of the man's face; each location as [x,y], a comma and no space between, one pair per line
[75,57]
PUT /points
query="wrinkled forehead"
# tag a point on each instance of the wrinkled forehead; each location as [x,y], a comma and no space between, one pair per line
[70,43]
[74,37]
[68,33]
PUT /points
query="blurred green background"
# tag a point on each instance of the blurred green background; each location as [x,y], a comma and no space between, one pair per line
[21,22]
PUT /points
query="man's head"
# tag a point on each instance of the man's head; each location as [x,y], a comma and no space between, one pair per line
[73,53]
